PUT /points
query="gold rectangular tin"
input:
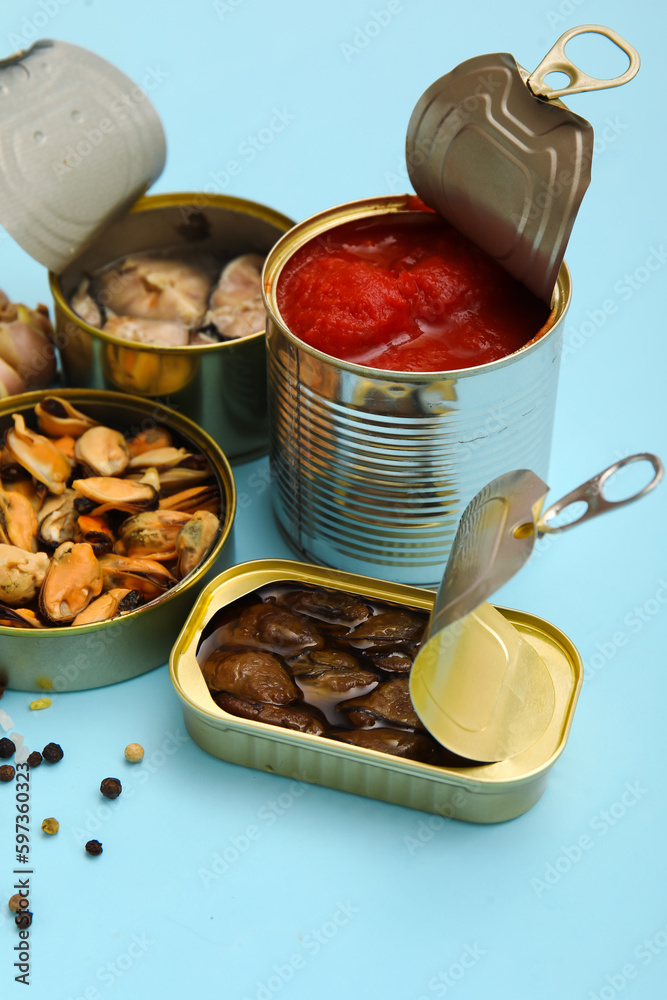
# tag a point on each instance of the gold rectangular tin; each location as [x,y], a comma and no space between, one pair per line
[489,793]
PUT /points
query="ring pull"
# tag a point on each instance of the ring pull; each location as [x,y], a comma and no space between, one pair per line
[556,61]
[592,494]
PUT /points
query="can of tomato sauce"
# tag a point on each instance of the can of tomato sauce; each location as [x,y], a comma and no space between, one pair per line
[372,467]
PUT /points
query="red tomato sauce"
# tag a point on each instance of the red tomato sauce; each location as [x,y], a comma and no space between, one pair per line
[406,293]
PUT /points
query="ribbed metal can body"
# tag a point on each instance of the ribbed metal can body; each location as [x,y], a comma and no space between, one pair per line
[371,470]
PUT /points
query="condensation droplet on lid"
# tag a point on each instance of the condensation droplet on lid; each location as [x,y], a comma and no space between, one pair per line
[76,116]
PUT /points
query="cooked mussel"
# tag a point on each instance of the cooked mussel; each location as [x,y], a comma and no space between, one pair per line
[73,579]
[388,704]
[251,674]
[38,455]
[151,534]
[18,521]
[194,540]
[102,451]
[112,493]
[58,418]
[21,574]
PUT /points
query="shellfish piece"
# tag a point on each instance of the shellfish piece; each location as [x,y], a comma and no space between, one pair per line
[66,444]
[395,662]
[303,719]
[149,439]
[102,608]
[195,540]
[38,455]
[85,306]
[73,579]
[103,451]
[151,534]
[57,418]
[156,288]
[317,660]
[251,674]
[117,494]
[21,574]
[197,498]
[147,576]
[396,627]
[181,478]
[389,703]
[19,618]
[156,332]
[95,529]
[18,521]
[36,493]
[235,309]
[397,742]
[159,458]
[277,629]
[331,606]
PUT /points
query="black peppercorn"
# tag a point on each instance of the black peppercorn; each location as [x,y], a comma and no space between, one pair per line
[111,788]
[7,748]
[34,759]
[7,772]
[52,753]
[94,847]
[23,919]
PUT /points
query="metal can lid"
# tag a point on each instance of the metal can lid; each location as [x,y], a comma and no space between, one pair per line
[505,164]
[81,142]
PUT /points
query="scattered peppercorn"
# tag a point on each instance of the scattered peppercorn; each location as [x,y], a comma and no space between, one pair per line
[94,847]
[52,753]
[111,788]
[23,919]
[134,752]
[40,703]
[7,772]
[7,747]
[50,825]
[34,759]
[14,903]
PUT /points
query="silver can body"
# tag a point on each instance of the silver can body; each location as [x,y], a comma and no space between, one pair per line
[371,470]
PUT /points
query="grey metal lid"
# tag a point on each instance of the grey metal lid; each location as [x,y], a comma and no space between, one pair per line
[494,151]
[80,143]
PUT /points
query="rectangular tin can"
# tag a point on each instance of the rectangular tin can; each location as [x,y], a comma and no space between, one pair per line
[487,793]
[372,469]
[89,656]
[222,387]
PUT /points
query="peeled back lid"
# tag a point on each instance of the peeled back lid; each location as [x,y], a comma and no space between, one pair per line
[80,143]
[479,687]
[492,149]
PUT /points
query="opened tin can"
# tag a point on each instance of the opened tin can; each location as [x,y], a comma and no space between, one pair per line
[484,793]
[372,469]
[77,658]
[222,387]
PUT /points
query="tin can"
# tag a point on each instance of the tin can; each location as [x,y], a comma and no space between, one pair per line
[488,793]
[222,387]
[372,469]
[90,656]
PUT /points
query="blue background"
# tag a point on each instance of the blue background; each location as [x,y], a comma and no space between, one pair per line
[397,903]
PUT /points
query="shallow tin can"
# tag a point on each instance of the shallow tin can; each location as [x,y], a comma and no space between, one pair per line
[90,656]
[372,469]
[222,387]
[488,793]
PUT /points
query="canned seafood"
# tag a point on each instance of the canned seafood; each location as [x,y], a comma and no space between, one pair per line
[75,658]
[372,469]
[221,386]
[482,793]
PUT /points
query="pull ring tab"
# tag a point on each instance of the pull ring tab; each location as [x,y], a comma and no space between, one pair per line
[591,492]
[556,61]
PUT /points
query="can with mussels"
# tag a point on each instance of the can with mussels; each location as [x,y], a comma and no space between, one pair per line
[395,762]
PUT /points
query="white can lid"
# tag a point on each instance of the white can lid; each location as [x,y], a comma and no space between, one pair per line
[80,143]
